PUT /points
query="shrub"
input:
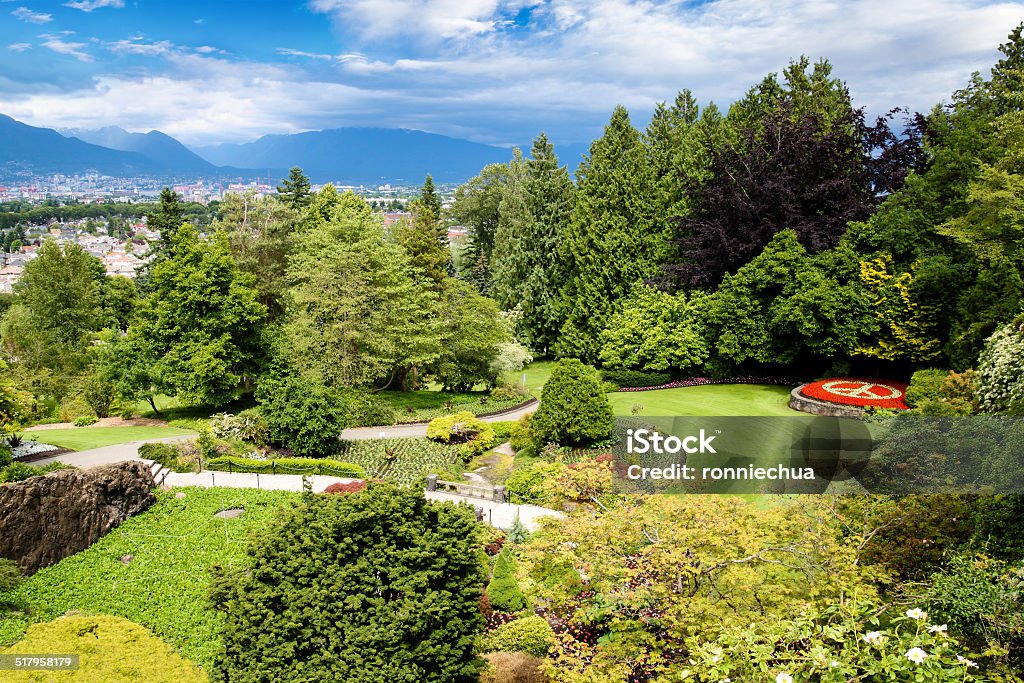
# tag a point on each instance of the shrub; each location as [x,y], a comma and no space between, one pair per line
[503,430]
[527,485]
[313,603]
[503,590]
[1001,371]
[351,487]
[19,471]
[509,392]
[925,385]
[85,420]
[5,455]
[247,425]
[475,435]
[634,378]
[574,408]
[513,667]
[960,390]
[334,468]
[532,635]
[366,410]
[301,414]
[182,457]
[111,649]
[99,394]
[10,575]
[521,437]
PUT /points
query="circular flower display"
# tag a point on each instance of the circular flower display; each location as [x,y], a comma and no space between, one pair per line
[873,393]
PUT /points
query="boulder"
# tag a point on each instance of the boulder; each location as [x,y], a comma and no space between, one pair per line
[47,518]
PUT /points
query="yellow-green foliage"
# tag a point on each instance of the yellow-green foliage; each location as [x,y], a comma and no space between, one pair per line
[906,327]
[110,649]
[475,435]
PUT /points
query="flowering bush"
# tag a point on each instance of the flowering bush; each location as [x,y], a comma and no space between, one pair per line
[854,391]
[843,642]
[1001,371]
[702,381]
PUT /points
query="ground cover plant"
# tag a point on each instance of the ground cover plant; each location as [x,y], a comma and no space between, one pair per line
[110,649]
[404,461]
[152,570]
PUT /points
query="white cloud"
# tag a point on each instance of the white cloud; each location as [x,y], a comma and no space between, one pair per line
[19,47]
[426,19]
[25,14]
[90,5]
[563,72]
[56,43]
[139,46]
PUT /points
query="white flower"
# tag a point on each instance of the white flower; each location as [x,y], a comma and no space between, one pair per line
[963,661]
[834,663]
[941,628]
[916,655]
[873,637]
[783,678]
[917,613]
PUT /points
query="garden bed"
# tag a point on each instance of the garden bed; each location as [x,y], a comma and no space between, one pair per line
[859,392]
[705,381]
[405,461]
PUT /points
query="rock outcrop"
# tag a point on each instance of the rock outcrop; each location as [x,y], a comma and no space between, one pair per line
[47,518]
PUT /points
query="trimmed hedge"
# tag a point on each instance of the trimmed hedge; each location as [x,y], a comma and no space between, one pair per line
[325,466]
[532,635]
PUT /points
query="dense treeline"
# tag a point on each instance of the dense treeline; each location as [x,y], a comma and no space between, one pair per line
[787,233]
[22,213]
[302,295]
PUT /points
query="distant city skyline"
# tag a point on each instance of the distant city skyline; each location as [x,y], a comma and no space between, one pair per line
[491,71]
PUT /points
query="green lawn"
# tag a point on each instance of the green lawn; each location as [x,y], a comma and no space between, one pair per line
[537,374]
[715,399]
[84,438]
[164,587]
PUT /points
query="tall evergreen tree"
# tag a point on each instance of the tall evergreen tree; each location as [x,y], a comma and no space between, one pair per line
[535,213]
[295,190]
[166,220]
[419,237]
[613,238]
[476,208]
[429,198]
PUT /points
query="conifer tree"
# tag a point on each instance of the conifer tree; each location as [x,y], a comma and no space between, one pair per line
[429,198]
[295,190]
[613,238]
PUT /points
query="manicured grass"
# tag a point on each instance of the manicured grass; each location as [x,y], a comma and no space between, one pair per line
[537,374]
[164,586]
[173,409]
[84,438]
[426,404]
[715,399]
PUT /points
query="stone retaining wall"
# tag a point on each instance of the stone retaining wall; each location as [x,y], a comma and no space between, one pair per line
[806,404]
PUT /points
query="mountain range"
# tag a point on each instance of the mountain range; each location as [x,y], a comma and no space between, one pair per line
[346,155]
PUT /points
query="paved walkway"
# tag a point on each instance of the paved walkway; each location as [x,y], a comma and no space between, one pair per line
[420,430]
[107,454]
[501,515]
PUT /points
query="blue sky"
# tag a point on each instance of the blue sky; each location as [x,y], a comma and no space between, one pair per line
[495,71]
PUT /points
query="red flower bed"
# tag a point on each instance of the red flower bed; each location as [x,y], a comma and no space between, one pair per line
[856,391]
